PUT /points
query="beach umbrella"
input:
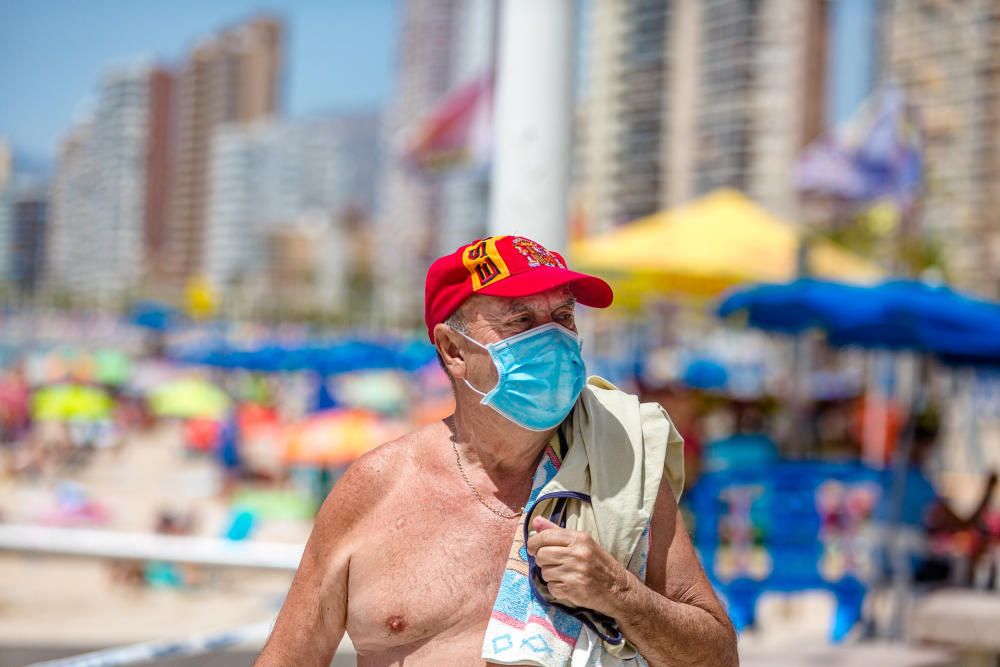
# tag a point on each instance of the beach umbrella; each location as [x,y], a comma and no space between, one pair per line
[13,400]
[189,398]
[895,315]
[336,437]
[70,402]
[379,391]
[113,367]
[155,316]
[711,244]
[202,435]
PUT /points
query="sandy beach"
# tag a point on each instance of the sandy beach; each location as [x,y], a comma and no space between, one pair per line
[56,606]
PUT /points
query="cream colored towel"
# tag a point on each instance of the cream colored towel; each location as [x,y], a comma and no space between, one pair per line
[619,449]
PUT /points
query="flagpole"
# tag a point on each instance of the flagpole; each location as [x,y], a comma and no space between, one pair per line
[533,116]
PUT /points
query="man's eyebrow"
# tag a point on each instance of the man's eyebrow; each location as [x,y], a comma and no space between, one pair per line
[519,306]
[516,306]
[571,301]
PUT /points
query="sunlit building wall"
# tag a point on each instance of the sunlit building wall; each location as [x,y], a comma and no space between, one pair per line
[6,163]
[5,235]
[233,77]
[269,173]
[946,56]
[409,204]
[466,191]
[71,217]
[686,96]
[99,205]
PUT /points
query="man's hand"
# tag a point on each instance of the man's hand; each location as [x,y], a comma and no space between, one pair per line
[576,568]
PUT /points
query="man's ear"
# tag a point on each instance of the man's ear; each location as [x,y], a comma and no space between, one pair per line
[448,344]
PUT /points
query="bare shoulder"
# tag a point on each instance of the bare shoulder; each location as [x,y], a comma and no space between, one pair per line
[374,476]
[314,615]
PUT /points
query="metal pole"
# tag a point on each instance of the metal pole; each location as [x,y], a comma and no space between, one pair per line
[88,543]
[534,116]
[170,649]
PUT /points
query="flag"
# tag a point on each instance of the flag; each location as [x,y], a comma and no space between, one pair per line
[458,133]
[877,154]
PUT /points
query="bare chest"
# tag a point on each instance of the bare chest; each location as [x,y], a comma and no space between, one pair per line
[428,567]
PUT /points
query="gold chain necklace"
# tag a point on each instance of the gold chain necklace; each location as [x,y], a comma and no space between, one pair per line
[458,460]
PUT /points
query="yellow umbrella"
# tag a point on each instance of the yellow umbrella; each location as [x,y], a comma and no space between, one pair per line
[189,398]
[71,402]
[708,245]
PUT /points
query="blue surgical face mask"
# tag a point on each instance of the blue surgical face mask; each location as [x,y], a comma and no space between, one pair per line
[541,374]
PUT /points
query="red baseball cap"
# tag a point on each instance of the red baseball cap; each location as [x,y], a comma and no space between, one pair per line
[509,266]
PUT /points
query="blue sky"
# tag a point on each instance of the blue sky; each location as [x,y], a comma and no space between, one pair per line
[340,53]
[853,56]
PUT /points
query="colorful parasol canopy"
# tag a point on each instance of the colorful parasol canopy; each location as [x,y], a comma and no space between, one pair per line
[336,437]
[70,402]
[189,398]
[113,367]
[708,245]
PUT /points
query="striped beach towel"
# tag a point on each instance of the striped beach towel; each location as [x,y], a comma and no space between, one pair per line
[524,629]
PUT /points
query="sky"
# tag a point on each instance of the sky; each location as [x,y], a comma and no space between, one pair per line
[340,54]
[854,53]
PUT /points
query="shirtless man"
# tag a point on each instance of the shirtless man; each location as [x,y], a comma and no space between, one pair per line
[408,550]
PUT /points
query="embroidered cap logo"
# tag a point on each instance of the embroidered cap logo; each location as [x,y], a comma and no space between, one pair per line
[484,263]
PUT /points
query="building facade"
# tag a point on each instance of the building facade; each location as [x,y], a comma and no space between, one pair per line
[411,205]
[946,57]
[27,213]
[233,77]
[104,198]
[266,175]
[686,96]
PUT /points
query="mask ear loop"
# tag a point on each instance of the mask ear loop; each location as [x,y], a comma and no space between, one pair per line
[475,342]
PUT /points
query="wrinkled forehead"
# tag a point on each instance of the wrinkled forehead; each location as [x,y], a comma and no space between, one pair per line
[499,306]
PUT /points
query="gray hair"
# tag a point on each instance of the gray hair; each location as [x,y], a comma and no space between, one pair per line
[457,322]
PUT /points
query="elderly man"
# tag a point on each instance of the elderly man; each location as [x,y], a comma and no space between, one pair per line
[435,550]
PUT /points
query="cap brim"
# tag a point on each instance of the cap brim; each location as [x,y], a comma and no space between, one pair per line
[588,290]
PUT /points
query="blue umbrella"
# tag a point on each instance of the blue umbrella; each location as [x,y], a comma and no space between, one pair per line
[330,357]
[155,316]
[705,374]
[898,314]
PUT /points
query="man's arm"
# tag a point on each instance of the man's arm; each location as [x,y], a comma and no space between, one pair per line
[312,619]
[674,618]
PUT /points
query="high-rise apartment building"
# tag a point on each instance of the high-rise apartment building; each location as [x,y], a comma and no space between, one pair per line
[268,174]
[466,191]
[5,221]
[27,211]
[6,164]
[105,196]
[409,203]
[73,203]
[946,57]
[685,96]
[233,77]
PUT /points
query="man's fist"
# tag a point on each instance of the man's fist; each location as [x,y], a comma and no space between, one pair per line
[576,568]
